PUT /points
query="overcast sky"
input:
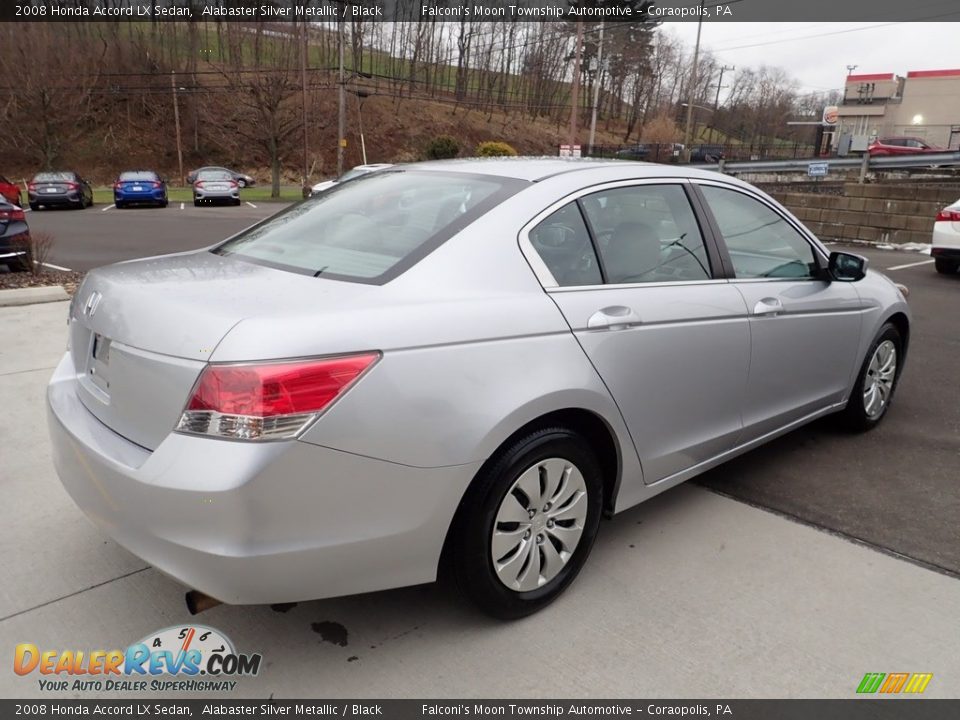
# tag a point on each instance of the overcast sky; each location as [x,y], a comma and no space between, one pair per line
[817,53]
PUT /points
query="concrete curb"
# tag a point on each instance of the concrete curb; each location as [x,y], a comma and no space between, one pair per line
[33,295]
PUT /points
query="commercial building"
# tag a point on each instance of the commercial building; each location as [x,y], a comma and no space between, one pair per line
[925,104]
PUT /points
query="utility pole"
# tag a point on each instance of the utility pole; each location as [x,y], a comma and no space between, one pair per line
[691,89]
[575,91]
[596,89]
[176,123]
[303,85]
[716,102]
[342,119]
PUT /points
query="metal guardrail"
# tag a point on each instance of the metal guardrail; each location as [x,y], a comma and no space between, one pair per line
[880,162]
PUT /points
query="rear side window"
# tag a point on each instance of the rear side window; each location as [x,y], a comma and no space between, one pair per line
[371,228]
[563,243]
[647,233]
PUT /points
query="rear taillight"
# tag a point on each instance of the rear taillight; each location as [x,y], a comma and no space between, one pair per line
[156,184]
[117,185]
[31,186]
[198,184]
[16,214]
[72,186]
[948,215]
[234,183]
[270,401]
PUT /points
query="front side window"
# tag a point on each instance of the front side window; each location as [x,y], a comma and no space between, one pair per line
[761,243]
[647,233]
[373,227]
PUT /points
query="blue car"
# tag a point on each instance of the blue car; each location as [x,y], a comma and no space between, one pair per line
[139,187]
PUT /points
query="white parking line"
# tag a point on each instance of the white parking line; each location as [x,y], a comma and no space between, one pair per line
[107,208]
[181,206]
[53,267]
[909,265]
[250,204]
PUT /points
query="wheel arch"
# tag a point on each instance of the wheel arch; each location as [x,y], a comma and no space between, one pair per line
[591,426]
[900,321]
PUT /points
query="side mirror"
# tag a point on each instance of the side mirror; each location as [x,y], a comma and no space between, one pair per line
[846,267]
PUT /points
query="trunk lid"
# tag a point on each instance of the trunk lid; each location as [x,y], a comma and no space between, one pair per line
[142,331]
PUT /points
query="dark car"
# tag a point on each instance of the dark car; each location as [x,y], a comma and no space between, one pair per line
[10,191]
[640,151]
[65,188]
[243,180]
[902,146]
[139,187]
[706,154]
[14,238]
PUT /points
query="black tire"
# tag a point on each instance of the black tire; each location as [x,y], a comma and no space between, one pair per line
[34,206]
[24,263]
[237,202]
[163,203]
[854,417]
[119,205]
[196,203]
[945,266]
[241,182]
[468,555]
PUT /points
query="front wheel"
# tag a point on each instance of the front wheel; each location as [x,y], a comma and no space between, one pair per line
[527,524]
[873,391]
[945,266]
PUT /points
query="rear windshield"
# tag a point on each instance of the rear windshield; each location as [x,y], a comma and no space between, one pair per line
[214,175]
[372,228]
[139,175]
[53,177]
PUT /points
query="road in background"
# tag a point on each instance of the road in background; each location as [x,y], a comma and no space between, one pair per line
[100,235]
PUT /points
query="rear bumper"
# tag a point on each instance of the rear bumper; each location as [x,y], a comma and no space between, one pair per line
[71,198]
[945,240]
[156,196]
[254,523]
[216,195]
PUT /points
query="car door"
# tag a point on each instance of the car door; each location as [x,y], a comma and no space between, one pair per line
[638,282]
[805,329]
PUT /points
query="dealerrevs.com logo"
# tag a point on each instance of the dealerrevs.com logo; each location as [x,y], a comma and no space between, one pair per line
[183,658]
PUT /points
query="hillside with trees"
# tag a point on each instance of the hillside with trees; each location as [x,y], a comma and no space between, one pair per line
[101,96]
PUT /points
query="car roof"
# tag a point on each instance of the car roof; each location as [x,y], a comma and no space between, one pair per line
[534,169]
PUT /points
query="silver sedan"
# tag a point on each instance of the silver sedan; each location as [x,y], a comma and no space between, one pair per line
[215,186]
[454,367]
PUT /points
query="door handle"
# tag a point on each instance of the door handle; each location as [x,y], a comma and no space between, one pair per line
[768,306]
[614,317]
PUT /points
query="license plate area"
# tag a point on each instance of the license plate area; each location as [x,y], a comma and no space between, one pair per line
[98,367]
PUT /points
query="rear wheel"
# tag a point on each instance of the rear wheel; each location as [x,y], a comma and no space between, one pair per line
[119,205]
[945,266]
[34,206]
[527,524]
[24,263]
[163,203]
[196,203]
[876,382]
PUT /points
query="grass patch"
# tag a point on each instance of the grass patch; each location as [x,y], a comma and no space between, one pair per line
[288,193]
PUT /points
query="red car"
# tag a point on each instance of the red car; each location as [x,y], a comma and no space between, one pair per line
[9,190]
[902,146]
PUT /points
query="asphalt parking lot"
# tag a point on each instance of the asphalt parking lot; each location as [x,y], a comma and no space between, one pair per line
[102,234]
[744,584]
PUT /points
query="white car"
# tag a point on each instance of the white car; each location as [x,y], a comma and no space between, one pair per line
[946,239]
[348,175]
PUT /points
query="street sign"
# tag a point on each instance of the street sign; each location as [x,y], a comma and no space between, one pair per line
[818,169]
[569,151]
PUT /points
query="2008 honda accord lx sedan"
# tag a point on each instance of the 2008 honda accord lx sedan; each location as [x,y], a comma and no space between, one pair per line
[454,367]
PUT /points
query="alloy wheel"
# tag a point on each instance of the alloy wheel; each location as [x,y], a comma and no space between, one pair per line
[878,383]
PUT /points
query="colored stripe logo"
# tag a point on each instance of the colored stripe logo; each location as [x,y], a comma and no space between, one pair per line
[894,683]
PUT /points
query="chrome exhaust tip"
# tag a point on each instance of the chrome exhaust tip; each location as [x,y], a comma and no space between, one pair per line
[197,602]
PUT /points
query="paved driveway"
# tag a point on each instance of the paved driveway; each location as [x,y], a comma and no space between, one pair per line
[691,594]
